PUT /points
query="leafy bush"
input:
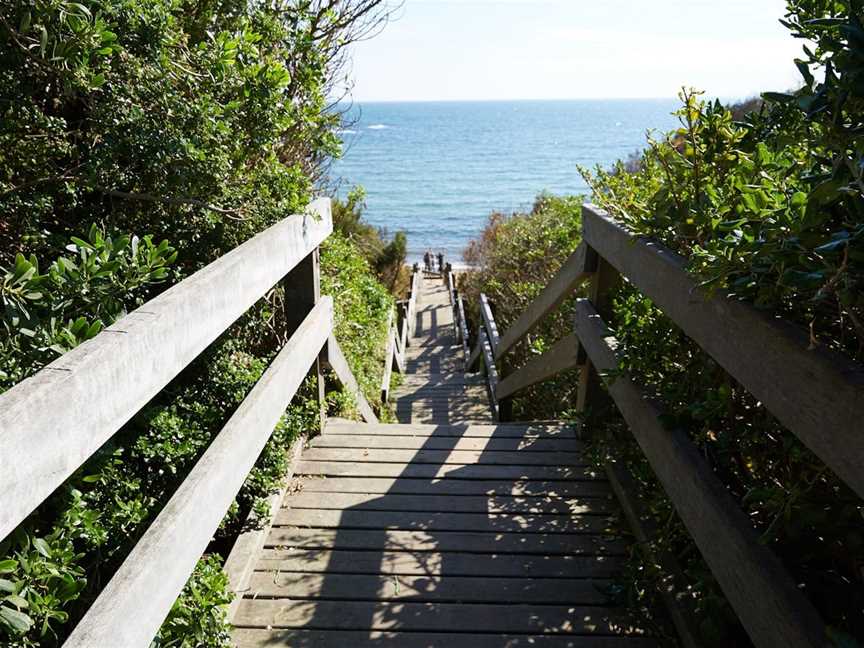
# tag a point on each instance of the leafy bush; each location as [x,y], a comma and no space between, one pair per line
[766,204]
[195,123]
[512,261]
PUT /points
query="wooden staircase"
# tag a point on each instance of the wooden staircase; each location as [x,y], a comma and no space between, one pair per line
[444,530]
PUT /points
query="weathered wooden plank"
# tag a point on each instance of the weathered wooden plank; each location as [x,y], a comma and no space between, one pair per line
[548,544]
[491,372]
[398,358]
[556,291]
[133,605]
[258,638]
[521,444]
[474,356]
[451,471]
[444,503]
[337,362]
[462,457]
[48,424]
[388,360]
[561,357]
[248,545]
[421,588]
[432,617]
[816,393]
[770,607]
[384,485]
[436,563]
[489,323]
[484,522]
[498,430]
[463,327]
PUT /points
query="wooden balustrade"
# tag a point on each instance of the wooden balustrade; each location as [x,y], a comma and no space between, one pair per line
[399,330]
[815,393]
[49,425]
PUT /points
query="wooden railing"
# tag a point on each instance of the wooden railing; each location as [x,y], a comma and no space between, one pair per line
[51,423]
[400,329]
[815,393]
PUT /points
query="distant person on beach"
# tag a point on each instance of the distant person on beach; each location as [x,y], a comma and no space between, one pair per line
[440,262]
[427,260]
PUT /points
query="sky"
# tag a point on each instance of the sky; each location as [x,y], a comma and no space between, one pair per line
[448,50]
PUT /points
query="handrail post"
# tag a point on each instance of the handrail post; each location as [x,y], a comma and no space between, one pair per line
[302,288]
[591,396]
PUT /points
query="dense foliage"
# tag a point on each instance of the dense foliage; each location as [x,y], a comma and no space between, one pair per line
[766,204]
[512,261]
[140,140]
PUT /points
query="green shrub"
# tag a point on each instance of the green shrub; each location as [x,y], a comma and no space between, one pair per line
[195,123]
[513,260]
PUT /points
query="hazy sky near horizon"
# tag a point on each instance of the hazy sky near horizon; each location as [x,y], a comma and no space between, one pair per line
[563,49]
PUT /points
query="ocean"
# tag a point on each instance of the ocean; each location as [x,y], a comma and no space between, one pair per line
[437,170]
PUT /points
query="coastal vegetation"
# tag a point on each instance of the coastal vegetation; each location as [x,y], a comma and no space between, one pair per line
[766,205]
[140,141]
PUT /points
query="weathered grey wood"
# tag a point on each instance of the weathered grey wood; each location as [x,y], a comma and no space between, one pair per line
[331,440]
[302,291]
[489,323]
[259,638]
[432,564]
[433,471]
[557,290]
[770,607]
[491,372]
[816,393]
[546,544]
[475,355]
[445,503]
[463,457]
[337,362]
[671,587]
[388,360]
[499,430]
[398,357]
[592,401]
[392,486]
[133,605]
[441,589]
[463,327]
[240,563]
[561,357]
[482,522]
[48,423]
[432,617]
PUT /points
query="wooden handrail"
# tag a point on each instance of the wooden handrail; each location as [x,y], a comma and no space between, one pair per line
[561,357]
[463,327]
[816,393]
[562,285]
[772,609]
[133,605]
[334,358]
[48,423]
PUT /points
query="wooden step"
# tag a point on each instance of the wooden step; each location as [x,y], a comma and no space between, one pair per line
[408,442]
[295,638]
[547,544]
[483,522]
[423,588]
[499,430]
[447,486]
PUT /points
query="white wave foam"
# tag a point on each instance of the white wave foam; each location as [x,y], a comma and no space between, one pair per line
[377,127]
[346,131]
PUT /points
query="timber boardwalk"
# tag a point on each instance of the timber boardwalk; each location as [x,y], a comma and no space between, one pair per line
[446,530]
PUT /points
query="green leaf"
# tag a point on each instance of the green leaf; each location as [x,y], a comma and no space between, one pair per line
[42,547]
[17,621]
[6,585]
[7,566]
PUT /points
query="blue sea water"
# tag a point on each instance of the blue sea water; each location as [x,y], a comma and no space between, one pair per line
[437,170]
